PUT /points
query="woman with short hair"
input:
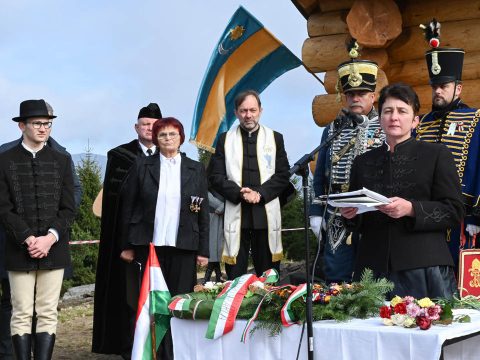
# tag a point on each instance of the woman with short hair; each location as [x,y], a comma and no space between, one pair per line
[406,240]
[165,200]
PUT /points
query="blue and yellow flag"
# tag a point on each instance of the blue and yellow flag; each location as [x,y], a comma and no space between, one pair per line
[247,57]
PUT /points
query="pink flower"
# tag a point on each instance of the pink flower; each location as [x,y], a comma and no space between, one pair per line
[433,312]
[413,309]
[408,299]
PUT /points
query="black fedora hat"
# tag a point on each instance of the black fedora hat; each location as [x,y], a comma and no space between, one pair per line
[152,110]
[34,108]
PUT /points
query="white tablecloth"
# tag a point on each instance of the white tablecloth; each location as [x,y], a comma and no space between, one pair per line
[356,339]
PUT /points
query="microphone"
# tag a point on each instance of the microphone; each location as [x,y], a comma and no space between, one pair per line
[359,120]
[355,119]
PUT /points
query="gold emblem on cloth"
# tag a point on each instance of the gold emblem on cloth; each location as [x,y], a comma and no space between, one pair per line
[355,80]
[237,32]
[475,273]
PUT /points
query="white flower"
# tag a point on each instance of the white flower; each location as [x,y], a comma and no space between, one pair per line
[398,319]
[409,322]
[209,285]
[258,284]
[387,322]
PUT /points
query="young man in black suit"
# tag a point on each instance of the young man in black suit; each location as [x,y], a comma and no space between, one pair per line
[37,207]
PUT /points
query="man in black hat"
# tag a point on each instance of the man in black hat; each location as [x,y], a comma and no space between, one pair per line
[456,125]
[6,306]
[357,81]
[114,318]
[37,207]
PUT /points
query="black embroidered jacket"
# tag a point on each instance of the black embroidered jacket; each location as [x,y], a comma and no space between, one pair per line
[424,174]
[36,194]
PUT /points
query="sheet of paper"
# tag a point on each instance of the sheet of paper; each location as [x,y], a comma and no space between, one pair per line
[363,199]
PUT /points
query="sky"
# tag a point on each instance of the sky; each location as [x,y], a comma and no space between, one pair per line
[98,62]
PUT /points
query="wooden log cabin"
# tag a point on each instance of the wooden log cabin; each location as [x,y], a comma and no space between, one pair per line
[388,33]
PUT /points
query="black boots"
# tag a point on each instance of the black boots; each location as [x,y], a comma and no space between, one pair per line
[22,346]
[213,266]
[43,349]
[43,346]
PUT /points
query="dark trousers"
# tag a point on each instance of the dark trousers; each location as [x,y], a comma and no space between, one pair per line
[179,268]
[5,316]
[256,243]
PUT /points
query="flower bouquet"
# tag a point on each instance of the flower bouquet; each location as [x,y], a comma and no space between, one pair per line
[410,312]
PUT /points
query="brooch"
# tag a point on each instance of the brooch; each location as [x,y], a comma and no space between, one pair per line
[195,203]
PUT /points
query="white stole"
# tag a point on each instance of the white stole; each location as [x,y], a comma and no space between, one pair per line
[266,156]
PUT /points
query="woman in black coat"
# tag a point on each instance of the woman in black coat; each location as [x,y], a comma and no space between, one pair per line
[406,240]
[165,201]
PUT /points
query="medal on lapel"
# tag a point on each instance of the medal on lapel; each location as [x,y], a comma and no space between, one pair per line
[195,203]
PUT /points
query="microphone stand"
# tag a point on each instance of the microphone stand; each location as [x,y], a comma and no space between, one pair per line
[300,168]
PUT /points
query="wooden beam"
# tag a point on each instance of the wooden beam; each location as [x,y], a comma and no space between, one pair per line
[411,44]
[333,5]
[306,7]
[415,12]
[329,23]
[374,22]
[325,53]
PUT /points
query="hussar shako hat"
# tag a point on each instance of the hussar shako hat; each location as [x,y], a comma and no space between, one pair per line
[152,110]
[444,64]
[34,108]
[356,74]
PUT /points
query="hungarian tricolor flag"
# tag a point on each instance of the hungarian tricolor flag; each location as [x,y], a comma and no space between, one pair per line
[153,318]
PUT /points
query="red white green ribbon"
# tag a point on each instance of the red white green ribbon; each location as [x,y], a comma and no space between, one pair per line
[226,307]
[226,286]
[270,276]
[257,311]
[179,304]
[286,313]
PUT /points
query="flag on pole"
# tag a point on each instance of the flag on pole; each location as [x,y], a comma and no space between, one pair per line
[247,57]
[153,318]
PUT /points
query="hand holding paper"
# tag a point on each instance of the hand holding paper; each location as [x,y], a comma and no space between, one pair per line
[398,208]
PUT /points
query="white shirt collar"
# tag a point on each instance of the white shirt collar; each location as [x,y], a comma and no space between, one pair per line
[34,153]
[144,148]
[173,160]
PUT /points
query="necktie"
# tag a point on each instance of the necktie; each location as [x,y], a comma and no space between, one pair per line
[149,152]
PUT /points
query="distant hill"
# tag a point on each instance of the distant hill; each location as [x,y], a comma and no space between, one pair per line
[100,159]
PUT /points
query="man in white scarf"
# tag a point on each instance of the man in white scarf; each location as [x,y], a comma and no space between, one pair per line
[250,170]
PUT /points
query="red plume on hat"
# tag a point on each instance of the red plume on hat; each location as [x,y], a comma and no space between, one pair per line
[432,33]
